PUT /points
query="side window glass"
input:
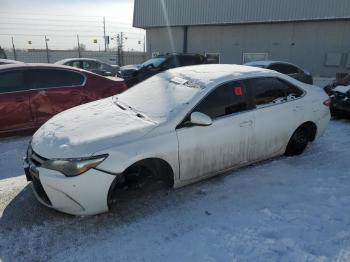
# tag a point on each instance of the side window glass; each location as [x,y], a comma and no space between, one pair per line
[75,64]
[171,62]
[12,81]
[284,69]
[269,91]
[187,60]
[226,99]
[50,78]
[289,69]
[292,91]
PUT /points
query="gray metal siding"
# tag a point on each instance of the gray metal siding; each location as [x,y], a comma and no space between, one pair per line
[305,44]
[157,13]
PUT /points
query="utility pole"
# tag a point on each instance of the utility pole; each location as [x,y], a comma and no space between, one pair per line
[144,44]
[47,49]
[14,49]
[104,33]
[121,47]
[79,55]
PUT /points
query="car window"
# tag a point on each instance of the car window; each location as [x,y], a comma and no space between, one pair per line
[284,68]
[46,78]
[270,90]
[154,62]
[12,81]
[75,64]
[188,60]
[226,99]
[89,65]
[172,62]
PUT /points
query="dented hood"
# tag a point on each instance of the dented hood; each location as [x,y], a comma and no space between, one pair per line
[83,130]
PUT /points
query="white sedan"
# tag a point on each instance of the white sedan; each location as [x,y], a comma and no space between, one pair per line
[183,125]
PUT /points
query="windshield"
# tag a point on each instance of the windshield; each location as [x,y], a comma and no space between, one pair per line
[159,96]
[155,62]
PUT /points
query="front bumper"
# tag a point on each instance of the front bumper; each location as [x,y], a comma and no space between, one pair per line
[86,194]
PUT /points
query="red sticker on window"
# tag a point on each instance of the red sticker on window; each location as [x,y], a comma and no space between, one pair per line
[238,91]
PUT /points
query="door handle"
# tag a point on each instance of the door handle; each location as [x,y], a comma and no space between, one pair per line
[246,123]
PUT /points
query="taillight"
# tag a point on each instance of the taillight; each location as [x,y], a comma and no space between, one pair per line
[327,103]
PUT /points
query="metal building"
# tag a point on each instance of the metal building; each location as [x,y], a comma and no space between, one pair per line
[314,34]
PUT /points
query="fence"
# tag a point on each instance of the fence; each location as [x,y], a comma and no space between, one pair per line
[111,57]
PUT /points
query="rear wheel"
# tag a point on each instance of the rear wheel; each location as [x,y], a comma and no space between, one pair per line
[298,142]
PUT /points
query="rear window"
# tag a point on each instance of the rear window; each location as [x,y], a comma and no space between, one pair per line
[12,81]
[50,78]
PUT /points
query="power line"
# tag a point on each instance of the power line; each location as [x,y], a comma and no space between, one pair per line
[68,20]
[63,15]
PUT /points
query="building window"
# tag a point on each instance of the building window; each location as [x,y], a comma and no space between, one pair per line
[213,58]
[251,57]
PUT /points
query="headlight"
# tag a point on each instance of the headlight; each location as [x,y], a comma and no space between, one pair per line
[74,166]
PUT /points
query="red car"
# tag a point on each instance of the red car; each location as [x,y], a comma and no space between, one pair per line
[30,94]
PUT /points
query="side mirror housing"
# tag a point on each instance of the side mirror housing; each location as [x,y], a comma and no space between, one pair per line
[200,119]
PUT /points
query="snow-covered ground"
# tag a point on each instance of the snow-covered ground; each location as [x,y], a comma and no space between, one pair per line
[286,209]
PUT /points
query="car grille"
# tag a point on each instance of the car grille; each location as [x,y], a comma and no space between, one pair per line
[38,187]
[36,160]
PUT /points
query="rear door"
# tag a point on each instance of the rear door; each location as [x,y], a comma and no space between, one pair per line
[55,90]
[15,110]
[204,150]
[278,113]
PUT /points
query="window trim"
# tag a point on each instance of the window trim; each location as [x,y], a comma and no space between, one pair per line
[47,88]
[249,98]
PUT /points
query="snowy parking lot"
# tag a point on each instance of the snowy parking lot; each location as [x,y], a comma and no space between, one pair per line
[285,209]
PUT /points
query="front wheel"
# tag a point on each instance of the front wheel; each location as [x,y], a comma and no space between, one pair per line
[297,143]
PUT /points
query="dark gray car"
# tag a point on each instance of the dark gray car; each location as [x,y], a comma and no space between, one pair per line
[134,74]
[285,68]
[93,65]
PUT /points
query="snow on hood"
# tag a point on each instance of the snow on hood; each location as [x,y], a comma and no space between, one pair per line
[83,130]
[342,89]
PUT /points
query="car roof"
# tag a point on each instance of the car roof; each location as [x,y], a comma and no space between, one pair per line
[212,73]
[266,63]
[39,65]
[177,54]
[10,61]
[77,59]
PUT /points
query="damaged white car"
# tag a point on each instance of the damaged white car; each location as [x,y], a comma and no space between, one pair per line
[183,125]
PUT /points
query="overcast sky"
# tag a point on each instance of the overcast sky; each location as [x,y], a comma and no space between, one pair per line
[62,20]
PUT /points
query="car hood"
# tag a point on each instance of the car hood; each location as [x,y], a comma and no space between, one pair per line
[130,67]
[86,129]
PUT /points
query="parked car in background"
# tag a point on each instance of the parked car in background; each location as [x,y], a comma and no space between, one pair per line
[93,65]
[341,80]
[340,100]
[134,74]
[182,126]
[30,94]
[8,61]
[285,68]
[2,54]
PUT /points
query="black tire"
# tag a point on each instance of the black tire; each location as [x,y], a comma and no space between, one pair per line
[298,142]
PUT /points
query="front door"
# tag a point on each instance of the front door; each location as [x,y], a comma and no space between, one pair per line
[205,150]
[15,111]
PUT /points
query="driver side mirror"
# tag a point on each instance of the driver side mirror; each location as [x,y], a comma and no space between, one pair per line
[200,119]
